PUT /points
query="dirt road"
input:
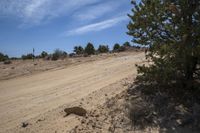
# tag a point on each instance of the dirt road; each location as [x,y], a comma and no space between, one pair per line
[25,98]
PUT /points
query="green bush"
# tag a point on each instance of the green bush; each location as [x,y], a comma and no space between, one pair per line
[103,49]
[78,50]
[59,54]
[28,56]
[43,54]
[127,44]
[116,47]
[89,49]
[122,48]
[3,57]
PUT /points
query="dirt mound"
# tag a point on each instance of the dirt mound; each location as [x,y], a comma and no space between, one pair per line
[108,117]
[127,112]
[75,110]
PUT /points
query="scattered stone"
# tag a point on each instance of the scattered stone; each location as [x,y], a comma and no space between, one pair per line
[24,124]
[75,110]
[83,121]
[39,120]
[94,125]
[97,115]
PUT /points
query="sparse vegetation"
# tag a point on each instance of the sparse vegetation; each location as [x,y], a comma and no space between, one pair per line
[116,47]
[59,54]
[89,49]
[28,56]
[43,54]
[3,57]
[79,50]
[103,49]
[127,44]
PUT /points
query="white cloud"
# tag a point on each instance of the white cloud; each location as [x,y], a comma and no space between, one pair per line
[96,26]
[35,12]
[97,11]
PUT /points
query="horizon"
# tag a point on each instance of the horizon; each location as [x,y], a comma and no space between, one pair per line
[46,25]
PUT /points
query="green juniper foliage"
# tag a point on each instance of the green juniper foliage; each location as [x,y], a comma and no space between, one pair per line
[78,50]
[43,54]
[103,49]
[116,47]
[89,49]
[171,30]
[58,54]
[127,44]
[3,57]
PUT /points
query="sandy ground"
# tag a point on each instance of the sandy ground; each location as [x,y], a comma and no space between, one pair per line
[39,99]
[28,67]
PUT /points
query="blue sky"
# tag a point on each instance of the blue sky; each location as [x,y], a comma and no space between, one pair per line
[50,24]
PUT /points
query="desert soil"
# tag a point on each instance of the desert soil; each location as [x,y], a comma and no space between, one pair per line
[38,99]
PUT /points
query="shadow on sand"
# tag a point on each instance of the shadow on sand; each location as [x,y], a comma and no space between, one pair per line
[170,110]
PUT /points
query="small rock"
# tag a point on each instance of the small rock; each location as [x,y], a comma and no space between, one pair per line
[75,110]
[24,124]
[93,125]
[97,115]
[83,121]
[179,122]
[39,120]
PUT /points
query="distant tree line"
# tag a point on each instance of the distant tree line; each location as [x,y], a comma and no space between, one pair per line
[88,50]
[3,57]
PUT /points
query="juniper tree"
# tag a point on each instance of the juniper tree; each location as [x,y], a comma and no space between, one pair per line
[3,57]
[116,47]
[103,49]
[89,49]
[127,44]
[171,31]
[78,50]
[43,54]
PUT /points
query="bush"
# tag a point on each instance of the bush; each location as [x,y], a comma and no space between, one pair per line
[116,47]
[28,56]
[122,48]
[103,49]
[3,57]
[72,54]
[43,54]
[127,44]
[59,54]
[78,50]
[89,49]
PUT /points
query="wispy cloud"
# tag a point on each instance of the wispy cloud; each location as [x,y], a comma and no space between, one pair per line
[35,12]
[98,10]
[96,26]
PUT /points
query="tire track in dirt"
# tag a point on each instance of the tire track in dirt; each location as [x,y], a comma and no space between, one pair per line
[27,97]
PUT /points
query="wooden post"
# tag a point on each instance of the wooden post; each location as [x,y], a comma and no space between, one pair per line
[33,54]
